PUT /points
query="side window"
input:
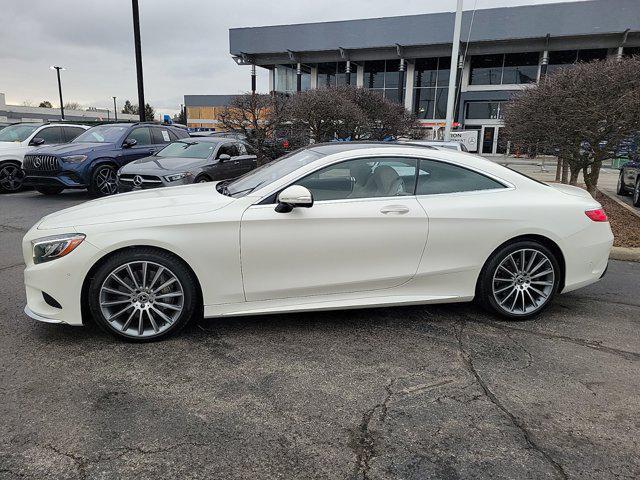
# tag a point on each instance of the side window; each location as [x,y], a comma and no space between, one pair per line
[363,178]
[160,135]
[440,177]
[69,133]
[228,148]
[141,135]
[179,133]
[50,135]
[173,136]
[242,149]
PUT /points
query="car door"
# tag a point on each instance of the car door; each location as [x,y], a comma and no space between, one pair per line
[365,231]
[51,135]
[143,147]
[160,137]
[231,167]
[247,159]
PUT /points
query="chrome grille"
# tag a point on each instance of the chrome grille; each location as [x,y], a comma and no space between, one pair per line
[144,179]
[42,163]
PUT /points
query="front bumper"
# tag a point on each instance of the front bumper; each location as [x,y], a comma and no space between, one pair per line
[62,179]
[60,279]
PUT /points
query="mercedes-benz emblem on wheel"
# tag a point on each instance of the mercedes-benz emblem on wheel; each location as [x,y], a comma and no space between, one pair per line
[37,162]
[137,181]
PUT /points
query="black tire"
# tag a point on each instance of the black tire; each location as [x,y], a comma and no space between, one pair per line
[104,181]
[202,179]
[636,194]
[158,258]
[620,188]
[49,190]
[11,177]
[491,298]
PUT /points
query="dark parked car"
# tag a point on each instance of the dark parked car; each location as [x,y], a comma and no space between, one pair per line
[629,179]
[190,160]
[93,159]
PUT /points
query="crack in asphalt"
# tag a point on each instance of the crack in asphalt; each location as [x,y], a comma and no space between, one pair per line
[12,228]
[365,444]
[2,269]
[467,360]
[595,345]
[82,463]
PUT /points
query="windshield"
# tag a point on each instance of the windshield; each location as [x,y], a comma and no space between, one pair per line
[102,134]
[16,133]
[270,172]
[188,150]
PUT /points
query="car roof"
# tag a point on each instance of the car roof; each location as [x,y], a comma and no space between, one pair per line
[338,147]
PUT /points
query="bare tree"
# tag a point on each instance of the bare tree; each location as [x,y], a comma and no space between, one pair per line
[45,104]
[258,117]
[72,106]
[583,113]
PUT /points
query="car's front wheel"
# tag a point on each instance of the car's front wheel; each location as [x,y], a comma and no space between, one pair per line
[620,188]
[142,295]
[636,194]
[104,181]
[519,280]
[11,177]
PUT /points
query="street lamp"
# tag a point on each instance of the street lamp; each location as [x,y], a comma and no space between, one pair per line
[115,109]
[57,69]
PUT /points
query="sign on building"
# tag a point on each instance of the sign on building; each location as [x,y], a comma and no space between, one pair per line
[469,138]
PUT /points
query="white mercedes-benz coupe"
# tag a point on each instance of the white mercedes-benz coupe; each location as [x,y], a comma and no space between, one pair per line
[331,226]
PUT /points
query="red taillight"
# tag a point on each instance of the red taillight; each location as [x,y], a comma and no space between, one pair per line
[597,215]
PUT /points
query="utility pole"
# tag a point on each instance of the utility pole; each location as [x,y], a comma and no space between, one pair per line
[453,72]
[57,69]
[115,109]
[136,42]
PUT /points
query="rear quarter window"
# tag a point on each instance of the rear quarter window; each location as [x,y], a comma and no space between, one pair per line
[439,177]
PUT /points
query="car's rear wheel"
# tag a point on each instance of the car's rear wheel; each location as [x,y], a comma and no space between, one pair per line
[519,281]
[49,190]
[11,177]
[620,188]
[142,295]
[104,181]
[636,194]
[202,179]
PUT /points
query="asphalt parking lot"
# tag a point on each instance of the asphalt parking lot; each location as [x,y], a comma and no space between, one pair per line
[417,392]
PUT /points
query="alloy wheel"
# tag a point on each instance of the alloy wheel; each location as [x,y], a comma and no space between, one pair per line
[106,181]
[523,281]
[141,299]
[11,177]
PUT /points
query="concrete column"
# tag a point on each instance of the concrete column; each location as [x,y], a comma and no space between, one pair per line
[298,77]
[401,82]
[408,96]
[314,78]
[347,71]
[619,53]
[544,63]
[360,76]
[253,78]
[272,80]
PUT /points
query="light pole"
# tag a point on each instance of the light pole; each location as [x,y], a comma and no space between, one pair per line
[115,109]
[57,69]
[138,48]
[451,97]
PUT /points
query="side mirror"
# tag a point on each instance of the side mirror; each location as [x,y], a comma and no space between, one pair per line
[292,197]
[224,157]
[36,141]
[130,142]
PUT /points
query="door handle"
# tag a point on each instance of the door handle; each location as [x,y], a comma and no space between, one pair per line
[394,210]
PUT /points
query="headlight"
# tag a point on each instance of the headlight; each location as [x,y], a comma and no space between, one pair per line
[74,158]
[177,176]
[49,248]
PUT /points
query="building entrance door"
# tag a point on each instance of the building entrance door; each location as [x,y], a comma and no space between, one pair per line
[490,142]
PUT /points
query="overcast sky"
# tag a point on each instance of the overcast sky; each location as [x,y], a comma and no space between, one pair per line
[185,44]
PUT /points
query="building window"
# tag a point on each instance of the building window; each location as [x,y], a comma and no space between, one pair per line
[504,69]
[430,83]
[484,111]
[383,76]
[564,58]
[332,74]
[286,78]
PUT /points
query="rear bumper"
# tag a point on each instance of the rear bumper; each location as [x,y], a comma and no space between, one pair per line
[587,256]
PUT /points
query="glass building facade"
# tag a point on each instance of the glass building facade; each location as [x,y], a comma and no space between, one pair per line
[383,76]
[431,87]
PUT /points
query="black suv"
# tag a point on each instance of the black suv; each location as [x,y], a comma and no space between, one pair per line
[92,160]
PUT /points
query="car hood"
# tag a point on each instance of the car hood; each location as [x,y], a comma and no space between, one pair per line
[145,204]
[10,146]
[162,165]
[73,148]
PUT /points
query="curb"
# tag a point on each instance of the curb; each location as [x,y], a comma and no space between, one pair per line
[615,198]
[625,254]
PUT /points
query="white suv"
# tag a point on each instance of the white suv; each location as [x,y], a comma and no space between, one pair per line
[21,138]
